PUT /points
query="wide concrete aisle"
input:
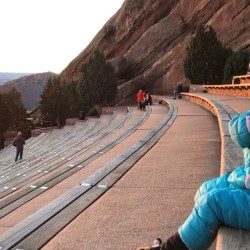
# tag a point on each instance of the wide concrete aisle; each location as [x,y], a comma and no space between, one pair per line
[156,195]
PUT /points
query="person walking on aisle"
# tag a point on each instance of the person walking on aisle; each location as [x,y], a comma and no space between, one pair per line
[19,143]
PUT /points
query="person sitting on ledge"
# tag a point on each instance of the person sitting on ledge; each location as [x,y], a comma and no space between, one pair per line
[220,201]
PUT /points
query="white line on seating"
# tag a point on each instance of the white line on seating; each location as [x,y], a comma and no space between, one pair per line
[14,188]
[85,184]
[102,186]
[33,186]
[80,166]
[43,187]
[6,187]
[71,165]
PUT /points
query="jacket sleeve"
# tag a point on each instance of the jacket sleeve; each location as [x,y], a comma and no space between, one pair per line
[207,186]
[220,206]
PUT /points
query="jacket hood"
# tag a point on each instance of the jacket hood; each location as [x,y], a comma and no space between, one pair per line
[239,128]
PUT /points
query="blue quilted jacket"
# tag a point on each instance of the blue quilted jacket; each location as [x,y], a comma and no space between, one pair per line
[224,200]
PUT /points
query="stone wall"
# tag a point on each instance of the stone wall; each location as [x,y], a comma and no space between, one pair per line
[242,91]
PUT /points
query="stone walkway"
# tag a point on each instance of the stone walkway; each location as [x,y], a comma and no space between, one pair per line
[156,195]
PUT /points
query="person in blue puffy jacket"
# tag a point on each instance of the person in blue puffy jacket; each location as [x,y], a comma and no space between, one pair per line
[223,200]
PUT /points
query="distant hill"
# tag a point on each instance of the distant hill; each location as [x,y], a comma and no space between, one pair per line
[5,77]
[30,87]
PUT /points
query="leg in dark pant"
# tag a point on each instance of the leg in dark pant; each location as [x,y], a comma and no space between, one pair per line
[174,243]
[19,153]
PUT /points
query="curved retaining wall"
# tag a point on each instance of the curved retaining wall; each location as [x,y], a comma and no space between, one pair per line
[231,155]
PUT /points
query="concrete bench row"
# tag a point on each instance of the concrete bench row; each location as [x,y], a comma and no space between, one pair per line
[11,203]
[231,156]
[40,227]
[43,143]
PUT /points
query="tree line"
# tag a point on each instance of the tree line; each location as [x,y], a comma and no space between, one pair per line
[208,62]
[95,88]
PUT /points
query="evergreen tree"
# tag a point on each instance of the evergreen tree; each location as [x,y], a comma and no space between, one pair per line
[236,64]
[72,98]
[54,101]
[97,85]
[16,110]
[4,115]
[205,59]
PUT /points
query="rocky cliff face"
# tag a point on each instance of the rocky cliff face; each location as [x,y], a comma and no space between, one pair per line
[146,40]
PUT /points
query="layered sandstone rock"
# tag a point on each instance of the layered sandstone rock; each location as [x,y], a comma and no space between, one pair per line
[146,40]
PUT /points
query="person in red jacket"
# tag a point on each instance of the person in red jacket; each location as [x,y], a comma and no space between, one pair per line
[140,99]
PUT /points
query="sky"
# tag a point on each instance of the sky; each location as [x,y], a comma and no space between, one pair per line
[46,35]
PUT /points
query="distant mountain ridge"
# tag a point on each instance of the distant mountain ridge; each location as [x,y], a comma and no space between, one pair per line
[30,88]
[5,77]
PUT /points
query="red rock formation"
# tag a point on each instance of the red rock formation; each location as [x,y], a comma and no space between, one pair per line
[146,40]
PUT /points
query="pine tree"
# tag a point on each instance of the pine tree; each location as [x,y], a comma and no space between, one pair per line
[16,110]
[97,85]
[205,59]
[236,64]
[5,116]
[54,101]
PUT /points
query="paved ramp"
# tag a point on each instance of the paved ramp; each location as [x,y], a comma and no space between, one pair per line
[156,195]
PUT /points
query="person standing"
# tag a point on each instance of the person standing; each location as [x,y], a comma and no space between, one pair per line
[148,99]
[140,99]
[18,143]
[2,140]
[178,90]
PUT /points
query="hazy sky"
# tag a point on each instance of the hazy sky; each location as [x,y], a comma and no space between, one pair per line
[45,35]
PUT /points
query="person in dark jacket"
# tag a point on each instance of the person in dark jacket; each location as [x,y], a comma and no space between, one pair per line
[2,140]
[18,143]
[178,90]
[224,200]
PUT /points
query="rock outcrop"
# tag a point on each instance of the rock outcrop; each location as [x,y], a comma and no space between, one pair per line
[146,40]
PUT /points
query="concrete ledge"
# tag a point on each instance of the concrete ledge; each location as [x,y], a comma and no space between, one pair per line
[231,156]
[242,89]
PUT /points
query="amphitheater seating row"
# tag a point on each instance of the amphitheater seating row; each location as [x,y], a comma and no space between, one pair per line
[25,234]
[9,204]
